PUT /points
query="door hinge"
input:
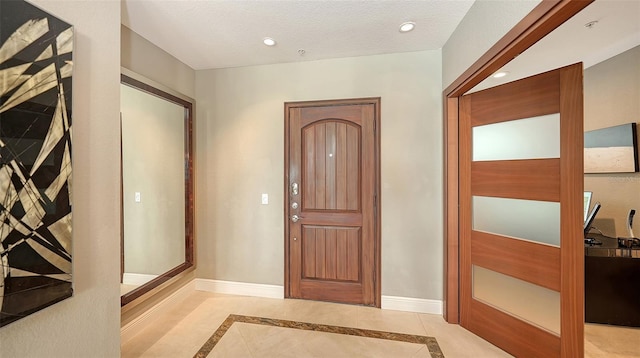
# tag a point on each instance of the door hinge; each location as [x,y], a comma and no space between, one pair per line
[375,126]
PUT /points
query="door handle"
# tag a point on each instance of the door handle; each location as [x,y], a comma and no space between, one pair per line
[295,218]
[294,189]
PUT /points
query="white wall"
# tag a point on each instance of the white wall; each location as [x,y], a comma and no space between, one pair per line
[486,22]
[87,324]
[240,154]
[611,93]
[143,57]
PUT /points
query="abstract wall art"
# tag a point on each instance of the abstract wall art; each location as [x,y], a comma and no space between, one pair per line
[35,160]
[611,150]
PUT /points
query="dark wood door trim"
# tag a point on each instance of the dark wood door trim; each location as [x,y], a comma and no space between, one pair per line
[543,19]
[377,213]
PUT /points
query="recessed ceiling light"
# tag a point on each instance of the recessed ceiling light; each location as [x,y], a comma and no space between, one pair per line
[269,41]
[500,74]
[407,26]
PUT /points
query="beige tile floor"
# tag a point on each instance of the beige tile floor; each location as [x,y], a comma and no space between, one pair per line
[181,332]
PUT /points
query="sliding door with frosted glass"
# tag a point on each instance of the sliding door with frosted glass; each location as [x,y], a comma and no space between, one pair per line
[520,214]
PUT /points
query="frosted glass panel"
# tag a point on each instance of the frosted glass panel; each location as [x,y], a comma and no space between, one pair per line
[531,220]
[529,138]
[532,303]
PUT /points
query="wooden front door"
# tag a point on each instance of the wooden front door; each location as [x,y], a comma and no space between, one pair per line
[332,236]
[521,180]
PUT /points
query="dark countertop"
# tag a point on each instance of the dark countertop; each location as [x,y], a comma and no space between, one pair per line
[609,248]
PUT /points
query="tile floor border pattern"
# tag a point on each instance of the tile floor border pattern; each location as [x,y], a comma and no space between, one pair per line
[207,347]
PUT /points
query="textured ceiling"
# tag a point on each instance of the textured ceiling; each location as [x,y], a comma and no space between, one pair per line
[229,33]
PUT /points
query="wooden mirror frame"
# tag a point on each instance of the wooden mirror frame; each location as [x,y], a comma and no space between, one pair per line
[188,190]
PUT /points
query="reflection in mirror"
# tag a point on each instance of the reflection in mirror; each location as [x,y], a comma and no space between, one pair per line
[156,187]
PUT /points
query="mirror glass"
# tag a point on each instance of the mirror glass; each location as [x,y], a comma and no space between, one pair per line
[156,187]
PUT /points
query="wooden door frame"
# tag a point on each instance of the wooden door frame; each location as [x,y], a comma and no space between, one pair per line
[375,101]
[543,19]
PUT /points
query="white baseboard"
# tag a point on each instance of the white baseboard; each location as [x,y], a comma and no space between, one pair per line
[136,278]
[146,319]
[419,305]
[409,304]
[240,288]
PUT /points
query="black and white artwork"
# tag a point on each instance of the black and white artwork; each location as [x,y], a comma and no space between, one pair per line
[35,160]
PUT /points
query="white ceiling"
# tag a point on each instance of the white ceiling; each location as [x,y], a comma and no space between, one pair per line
[617,30]
[207,34]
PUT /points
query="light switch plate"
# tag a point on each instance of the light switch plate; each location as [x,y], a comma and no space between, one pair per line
[137,197]
[265,199]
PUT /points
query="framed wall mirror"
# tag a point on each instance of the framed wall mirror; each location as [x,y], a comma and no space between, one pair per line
[157,186]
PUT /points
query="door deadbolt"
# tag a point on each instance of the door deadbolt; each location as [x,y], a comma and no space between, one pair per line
[294,205]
